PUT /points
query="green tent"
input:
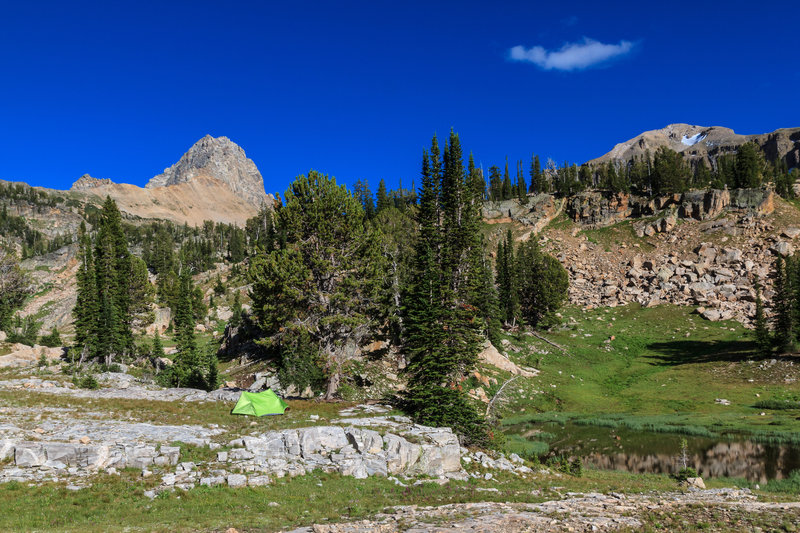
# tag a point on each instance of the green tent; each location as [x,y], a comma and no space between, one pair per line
[259,404]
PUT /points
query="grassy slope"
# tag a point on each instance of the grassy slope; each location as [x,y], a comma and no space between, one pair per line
[663,365]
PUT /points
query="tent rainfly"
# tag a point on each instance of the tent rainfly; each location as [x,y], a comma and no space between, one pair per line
[259,404]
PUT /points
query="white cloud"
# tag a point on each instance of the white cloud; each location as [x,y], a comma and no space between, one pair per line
[571,56]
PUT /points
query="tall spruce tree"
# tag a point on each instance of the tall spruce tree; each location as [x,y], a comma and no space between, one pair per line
[783,308]
[506,280]
[85,311]
[157,348]
[761,333]
[521,186]
[193,366]
[383,200]
[508,189]
[495,184]
[443,323]
[538,183]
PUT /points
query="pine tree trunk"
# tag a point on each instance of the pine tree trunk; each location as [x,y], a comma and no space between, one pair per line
[333,385]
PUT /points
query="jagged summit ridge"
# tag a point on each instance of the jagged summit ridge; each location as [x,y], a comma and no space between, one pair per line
[88,182]
[706,142]
[221,159]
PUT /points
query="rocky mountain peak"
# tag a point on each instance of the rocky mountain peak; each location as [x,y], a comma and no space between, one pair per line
[706,143]
[87,182]
[221,159]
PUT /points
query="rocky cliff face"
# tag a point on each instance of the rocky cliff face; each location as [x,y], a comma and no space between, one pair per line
[701,142]
[220,159]
[598,209]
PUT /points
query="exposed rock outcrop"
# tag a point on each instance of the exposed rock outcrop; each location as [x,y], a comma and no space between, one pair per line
[87,182]
[536,213]
[597,209]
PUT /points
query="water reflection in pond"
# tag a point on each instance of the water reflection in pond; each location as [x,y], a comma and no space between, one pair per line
[650,452]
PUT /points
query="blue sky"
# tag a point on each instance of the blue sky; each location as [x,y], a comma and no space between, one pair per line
[356,89]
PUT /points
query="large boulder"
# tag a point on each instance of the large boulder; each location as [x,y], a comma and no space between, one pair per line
[29,455]
[401,455]
[491,356]
[321,438]
[782,248]
[761,201]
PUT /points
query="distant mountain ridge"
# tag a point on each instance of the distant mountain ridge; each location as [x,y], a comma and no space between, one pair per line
[708,143]
[214,180]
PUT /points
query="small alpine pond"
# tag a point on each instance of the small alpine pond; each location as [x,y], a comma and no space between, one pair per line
[640,451]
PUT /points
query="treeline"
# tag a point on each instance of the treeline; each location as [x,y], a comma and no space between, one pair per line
[652,174]
[667,172]
[399,198]
[21,194]
[334,276]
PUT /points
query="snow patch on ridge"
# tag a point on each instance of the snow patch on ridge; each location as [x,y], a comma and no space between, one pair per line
[694,139]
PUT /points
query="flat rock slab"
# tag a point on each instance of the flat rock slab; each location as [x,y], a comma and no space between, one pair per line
[125,390]
[576,512]
[111,431]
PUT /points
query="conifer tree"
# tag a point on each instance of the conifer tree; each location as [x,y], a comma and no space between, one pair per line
[104,312]
[364,195]
[14,288]
[443,326]
[192,367]
[508,189]
[543,284]
[538,183]
[157,347]
[236,317]
[702,175]
[184,319]
[783,309]
[521,186]
[669,172]
[326,284]
[236,245]
[761,333]
[383,200]
[507,286]
[748,166]
[219,287]
[85,310]
[141,294]
[495,184]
